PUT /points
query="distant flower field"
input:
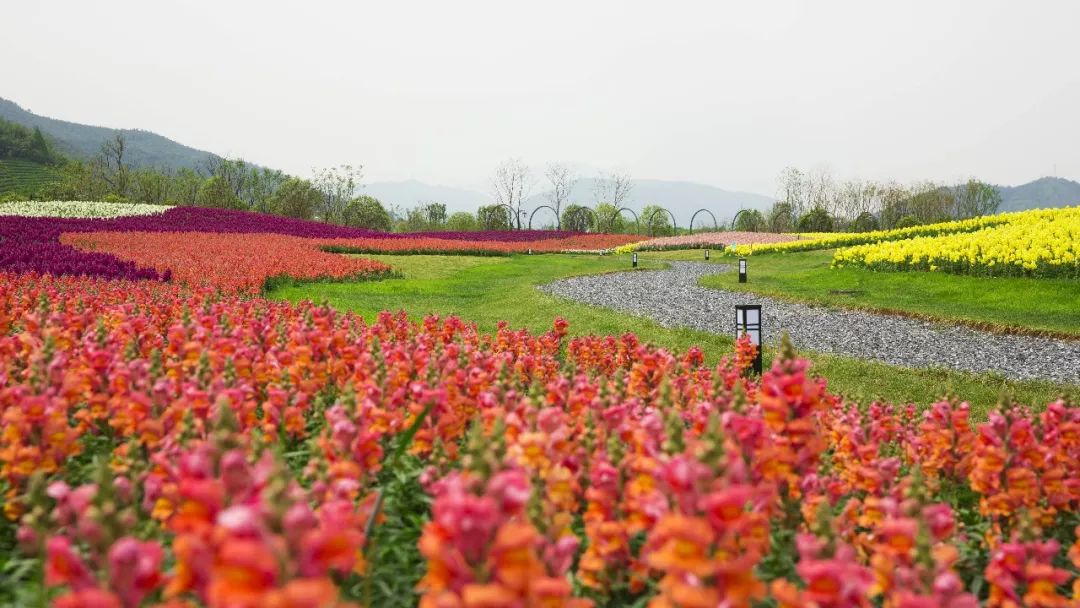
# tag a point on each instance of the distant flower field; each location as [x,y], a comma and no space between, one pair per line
[236,263]
[832,240]
[701,240]
[1032,243]
[190,244]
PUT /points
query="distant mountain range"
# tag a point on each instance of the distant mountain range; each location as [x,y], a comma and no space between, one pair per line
[144,149]
[683,199]
[1041,193]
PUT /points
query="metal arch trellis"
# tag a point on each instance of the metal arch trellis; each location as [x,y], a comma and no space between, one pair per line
[558,220]
[611,220]
[693,217]
[648,220]
[736,218]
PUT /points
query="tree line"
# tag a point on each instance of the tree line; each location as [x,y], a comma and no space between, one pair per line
[812,201]
[19,143]
[807,201]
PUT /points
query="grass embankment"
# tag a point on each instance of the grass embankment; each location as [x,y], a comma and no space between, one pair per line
[487,290]
[1007,304]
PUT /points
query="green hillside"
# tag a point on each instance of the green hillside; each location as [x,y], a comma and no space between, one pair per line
[24,178]
[145,149]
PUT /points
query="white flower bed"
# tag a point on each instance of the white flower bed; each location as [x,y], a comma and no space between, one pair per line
[80,209]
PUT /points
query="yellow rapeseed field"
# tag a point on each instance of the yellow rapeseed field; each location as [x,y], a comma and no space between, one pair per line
[1044,243]
[831,240]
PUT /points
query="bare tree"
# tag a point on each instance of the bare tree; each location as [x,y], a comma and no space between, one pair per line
[562,181]
[614,188]
[511,185]
[111,165]
[821,190]
[791,186]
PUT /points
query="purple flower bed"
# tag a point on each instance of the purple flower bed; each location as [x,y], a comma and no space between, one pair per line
[29,244]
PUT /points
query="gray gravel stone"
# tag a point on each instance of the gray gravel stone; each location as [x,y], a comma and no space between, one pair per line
[673,298]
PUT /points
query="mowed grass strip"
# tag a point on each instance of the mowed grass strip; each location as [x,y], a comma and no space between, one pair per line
[488,290]
[1007,304]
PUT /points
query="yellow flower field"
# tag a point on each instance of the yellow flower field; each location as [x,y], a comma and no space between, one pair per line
[1043,243]
[830,240]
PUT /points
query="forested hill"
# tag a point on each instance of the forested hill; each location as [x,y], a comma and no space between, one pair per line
[144,149]
[1041,193]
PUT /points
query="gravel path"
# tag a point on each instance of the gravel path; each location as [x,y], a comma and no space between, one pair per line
[673,298]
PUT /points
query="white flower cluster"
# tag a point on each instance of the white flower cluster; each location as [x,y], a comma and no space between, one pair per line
[80,209]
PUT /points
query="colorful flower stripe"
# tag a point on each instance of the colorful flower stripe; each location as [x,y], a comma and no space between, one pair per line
[230,262]
[245,262]
[408,244]
[1034,243]
[704,240]
[79,209]
[31,244]
[560,472]
[495,235]
[845,239]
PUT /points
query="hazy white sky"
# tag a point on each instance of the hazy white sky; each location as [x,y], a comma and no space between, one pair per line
[725,93]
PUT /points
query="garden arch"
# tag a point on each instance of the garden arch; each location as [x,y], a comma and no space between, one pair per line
[674,226]
[558,220]
[511,215]
[692,217]
[611,220]
[736,218]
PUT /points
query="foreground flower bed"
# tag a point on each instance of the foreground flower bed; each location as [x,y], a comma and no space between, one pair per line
[179,447]
[1034,243]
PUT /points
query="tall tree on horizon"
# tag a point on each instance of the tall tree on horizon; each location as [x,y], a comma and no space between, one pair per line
[511,185]
[562,181]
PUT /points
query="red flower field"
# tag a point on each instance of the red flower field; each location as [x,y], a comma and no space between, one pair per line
[232,262]
[178,446]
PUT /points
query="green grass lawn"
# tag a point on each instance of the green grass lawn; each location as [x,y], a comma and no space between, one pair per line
[490,289]
[1017,304]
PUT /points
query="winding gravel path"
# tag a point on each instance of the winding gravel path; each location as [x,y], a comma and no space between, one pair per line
[673,298]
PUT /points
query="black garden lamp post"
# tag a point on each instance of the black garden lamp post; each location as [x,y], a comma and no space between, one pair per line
[633,260]
[748,321]
[706,255]
[742,270]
